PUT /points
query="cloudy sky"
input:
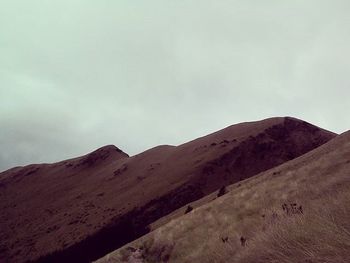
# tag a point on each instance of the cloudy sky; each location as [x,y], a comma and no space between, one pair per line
[76,74]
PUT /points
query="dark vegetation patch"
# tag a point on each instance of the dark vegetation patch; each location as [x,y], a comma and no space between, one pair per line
[243,241]
[224,239]
[121,170]
[292,208]
[222,191]
[31,170]
[125,228]
[188,209]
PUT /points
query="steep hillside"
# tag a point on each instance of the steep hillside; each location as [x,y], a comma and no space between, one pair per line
[295,212]
[83,208]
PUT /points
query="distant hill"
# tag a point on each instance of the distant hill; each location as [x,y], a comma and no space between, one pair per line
[80,209]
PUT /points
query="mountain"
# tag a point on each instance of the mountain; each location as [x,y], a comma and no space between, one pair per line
[80,209]
[295,212]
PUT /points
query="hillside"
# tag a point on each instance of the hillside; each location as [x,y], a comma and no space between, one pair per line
[295,212]
[82,208]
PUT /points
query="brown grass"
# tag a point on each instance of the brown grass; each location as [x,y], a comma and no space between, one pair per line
[321,234]
[252,211]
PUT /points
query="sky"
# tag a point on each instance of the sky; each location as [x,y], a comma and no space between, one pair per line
[79,74]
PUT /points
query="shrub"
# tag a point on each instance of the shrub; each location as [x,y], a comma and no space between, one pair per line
[188,209]
[222,191]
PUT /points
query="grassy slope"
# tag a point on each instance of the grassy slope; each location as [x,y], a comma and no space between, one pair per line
[320,234]
[318,180]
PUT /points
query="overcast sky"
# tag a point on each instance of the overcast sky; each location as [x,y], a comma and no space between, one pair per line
[77,75]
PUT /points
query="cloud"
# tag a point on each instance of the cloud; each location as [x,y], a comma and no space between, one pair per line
[76,75]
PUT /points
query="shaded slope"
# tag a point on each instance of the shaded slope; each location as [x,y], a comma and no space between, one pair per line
[249,207]
[98,202]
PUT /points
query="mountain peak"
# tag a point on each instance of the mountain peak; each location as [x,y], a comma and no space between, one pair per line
[110,148]
[101,154]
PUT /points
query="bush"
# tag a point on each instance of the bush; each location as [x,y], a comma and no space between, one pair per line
[222,191]
[188,209]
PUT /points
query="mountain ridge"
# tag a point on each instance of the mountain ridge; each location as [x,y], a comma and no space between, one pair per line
[80,198]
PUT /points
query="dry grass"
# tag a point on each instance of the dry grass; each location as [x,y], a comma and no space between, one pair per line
[253,211]
[320,234]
